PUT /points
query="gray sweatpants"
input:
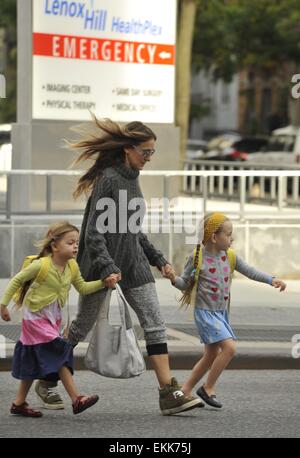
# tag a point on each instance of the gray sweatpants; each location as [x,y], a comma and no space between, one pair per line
[142,299]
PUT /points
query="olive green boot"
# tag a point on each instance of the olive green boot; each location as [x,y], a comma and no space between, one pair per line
[49,398]
[173,400]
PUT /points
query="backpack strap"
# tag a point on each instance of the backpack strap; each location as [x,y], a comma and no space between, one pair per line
[41,275]
[232,259]
[44,269]
[28,260]
[74,268]
[45,266]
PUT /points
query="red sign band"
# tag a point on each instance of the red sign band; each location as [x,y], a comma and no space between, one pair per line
[86,48]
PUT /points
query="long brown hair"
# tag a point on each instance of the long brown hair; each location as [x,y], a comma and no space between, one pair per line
[107,148]
[55,232]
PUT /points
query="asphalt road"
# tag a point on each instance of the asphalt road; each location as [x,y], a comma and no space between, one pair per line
[256,404]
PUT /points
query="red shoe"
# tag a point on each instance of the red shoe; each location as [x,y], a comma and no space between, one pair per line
[24,411]
[82,404]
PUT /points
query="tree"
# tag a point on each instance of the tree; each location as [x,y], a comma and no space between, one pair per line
[8,23]
[227,36]
[186,18]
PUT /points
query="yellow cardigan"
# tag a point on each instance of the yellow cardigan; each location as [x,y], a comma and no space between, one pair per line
[55,287]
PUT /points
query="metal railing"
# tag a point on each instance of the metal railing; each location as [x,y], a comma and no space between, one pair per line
[227,182]
[16,242]
[48,175]
[261,185]
[280,219]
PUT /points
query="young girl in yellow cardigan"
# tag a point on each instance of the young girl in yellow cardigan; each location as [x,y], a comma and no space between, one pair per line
[41,352]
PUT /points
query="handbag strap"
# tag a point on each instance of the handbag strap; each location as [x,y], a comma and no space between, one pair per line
[104,307]
[123,308]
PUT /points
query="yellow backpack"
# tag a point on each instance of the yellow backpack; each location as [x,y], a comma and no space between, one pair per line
[42,273]
[198,253]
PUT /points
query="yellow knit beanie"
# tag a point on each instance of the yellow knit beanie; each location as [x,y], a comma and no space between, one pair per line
[212,225]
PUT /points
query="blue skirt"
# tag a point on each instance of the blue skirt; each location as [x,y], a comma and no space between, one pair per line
[213,326]
[42,361]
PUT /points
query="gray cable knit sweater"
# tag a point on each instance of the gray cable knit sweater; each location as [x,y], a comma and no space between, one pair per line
[101,251]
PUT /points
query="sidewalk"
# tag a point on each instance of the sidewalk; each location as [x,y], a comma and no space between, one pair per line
[263,319]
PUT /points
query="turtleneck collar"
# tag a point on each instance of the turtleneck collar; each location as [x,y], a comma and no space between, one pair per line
[127,172]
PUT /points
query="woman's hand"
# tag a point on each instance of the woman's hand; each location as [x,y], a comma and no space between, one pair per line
[5,313]
[166,269]
[172,277]
[112,280]
[168,272]
[278,284]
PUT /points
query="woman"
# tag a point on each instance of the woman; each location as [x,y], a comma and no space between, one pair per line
[113,248]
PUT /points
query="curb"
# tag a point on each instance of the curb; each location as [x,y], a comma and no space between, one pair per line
[184,359]
[246,361]
[249,362]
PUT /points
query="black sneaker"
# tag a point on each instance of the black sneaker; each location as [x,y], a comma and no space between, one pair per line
[172,399]
[210,400]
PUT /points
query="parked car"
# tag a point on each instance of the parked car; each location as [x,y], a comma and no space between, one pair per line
[248,145]
[233,147]
[196,149]
[283,147]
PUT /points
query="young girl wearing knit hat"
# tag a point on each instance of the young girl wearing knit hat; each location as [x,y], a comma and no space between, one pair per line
[206,284]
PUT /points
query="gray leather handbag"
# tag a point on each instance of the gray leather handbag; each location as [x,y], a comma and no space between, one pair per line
[113,350]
